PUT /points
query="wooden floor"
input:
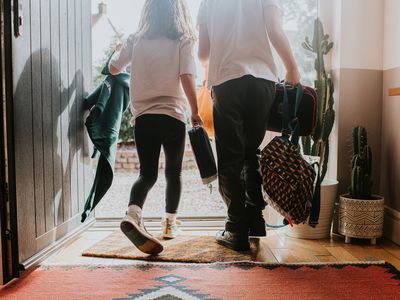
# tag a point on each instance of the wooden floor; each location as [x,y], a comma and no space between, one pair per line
[276,247]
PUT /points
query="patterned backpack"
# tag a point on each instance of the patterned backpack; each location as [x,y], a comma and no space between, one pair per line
[287,178]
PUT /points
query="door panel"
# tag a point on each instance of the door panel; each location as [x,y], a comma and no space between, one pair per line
[56,113]
[36,104]
[24,160]
[52,69]
[72,96]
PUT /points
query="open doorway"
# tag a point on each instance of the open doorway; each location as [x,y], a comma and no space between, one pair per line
[51,62]
[112,22]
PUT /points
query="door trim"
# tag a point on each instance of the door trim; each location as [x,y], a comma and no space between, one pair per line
[154,223]
[10,255]
[60,243]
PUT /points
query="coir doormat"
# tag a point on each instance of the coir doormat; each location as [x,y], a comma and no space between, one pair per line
[183,249]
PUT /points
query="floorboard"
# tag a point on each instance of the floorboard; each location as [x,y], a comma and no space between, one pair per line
[276,247]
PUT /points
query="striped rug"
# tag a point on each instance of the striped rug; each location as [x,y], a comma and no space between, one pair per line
[208,282]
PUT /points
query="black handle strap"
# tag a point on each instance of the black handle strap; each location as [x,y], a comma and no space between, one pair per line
[290,121]
[316,199]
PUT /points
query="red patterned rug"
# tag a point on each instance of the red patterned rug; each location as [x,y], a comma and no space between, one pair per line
[208,282]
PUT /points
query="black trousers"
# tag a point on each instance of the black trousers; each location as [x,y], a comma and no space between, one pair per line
[152,132]
[241,112]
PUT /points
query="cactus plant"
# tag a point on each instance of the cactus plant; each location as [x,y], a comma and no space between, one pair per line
[361,179]
[318,143]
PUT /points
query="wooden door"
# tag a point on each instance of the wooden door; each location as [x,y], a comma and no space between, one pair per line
[51,74]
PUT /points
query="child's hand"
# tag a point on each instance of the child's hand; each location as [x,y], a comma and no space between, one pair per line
[196,120]
[293,77]
[118,47]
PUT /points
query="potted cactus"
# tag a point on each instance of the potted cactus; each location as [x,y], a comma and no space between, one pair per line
[316,146]
[361,212]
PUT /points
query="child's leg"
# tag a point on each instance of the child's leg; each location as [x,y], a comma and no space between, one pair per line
[148,144]
[174,147]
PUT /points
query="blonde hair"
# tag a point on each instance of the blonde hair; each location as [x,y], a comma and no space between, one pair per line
[168,18]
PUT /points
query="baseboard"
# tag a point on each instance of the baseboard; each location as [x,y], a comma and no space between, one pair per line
[392,225]
[154,223]
[45,253]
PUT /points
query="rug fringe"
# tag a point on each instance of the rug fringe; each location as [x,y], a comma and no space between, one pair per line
[143,262]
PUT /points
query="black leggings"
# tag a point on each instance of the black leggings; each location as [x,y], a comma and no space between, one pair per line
[152,132]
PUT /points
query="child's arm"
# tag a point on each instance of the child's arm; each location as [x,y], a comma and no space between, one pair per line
[204,44]
[122,56]
[281,44]
[113,70]
[204,38]
[188,84]
[187,74]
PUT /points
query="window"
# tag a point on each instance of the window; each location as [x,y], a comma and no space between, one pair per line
[298,22]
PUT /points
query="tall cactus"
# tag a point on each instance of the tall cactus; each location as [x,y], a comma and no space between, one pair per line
[361,179]
[318,143]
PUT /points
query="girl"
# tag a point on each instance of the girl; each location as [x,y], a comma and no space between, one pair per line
[160,54]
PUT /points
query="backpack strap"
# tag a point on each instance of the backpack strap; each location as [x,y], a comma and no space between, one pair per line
[295,123]
[290,121]
[316,200]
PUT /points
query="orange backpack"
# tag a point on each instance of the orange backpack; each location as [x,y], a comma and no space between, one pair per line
[206,106]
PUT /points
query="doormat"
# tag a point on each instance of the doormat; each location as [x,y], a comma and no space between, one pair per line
[183,249]
[207,282]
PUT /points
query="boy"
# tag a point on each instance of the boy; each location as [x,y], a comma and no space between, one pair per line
[235,40]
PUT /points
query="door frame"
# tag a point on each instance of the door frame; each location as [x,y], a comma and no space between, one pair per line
[9,234]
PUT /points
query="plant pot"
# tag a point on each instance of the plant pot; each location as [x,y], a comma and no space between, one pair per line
[329,190]
[359,218]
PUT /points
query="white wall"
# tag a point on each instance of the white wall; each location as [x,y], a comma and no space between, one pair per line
[392,34]
[362,23]
[330,14]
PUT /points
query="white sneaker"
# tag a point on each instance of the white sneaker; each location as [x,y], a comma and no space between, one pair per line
[170,229]
[133,227]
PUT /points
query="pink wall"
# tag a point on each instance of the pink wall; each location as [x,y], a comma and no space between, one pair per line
[390,169]
[365,63]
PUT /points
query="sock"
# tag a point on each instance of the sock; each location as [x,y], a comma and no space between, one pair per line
[171,217]
[134,209]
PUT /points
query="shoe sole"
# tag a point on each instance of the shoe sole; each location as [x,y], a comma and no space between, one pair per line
[170,236]
[233,246]
[257,234]
[143,242]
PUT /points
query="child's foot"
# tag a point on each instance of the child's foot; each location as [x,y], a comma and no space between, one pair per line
[133,227]
[170,228]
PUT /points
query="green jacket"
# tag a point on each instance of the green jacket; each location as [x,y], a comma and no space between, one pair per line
[106,104]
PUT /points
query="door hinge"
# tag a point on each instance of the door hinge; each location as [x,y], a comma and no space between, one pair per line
[18,17]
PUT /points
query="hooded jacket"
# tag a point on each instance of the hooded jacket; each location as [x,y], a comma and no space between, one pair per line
[106,104]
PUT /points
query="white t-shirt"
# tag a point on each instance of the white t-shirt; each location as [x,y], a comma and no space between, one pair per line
[239,42]
[156,66]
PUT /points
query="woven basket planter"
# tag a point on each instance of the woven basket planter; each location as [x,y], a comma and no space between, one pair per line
[361,218]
